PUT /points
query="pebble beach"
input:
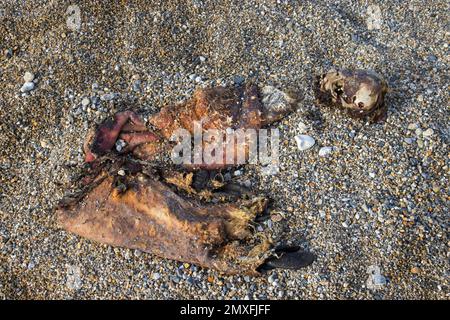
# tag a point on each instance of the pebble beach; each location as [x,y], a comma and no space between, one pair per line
[369,200]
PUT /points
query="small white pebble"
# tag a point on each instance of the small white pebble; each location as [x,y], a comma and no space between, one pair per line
[120,144]
[156,276]
[44,144]
[270,170]
[420,143]
[121,172]
[107,96]
[375,280]
[373,19]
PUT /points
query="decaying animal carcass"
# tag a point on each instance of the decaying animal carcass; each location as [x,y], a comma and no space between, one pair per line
[360,92]
[124,202]
[140,212]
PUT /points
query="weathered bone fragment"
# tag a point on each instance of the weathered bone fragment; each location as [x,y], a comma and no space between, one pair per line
[140,212]
[360,92]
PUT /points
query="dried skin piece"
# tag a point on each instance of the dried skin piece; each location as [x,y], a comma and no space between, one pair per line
[126,126]
[181,180]
[217,108]
[360,92]
[142,213]
[205,185]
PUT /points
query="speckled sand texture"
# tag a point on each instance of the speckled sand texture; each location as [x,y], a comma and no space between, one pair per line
[374,210]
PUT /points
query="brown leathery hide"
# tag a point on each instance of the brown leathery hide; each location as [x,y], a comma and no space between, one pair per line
[123,200]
